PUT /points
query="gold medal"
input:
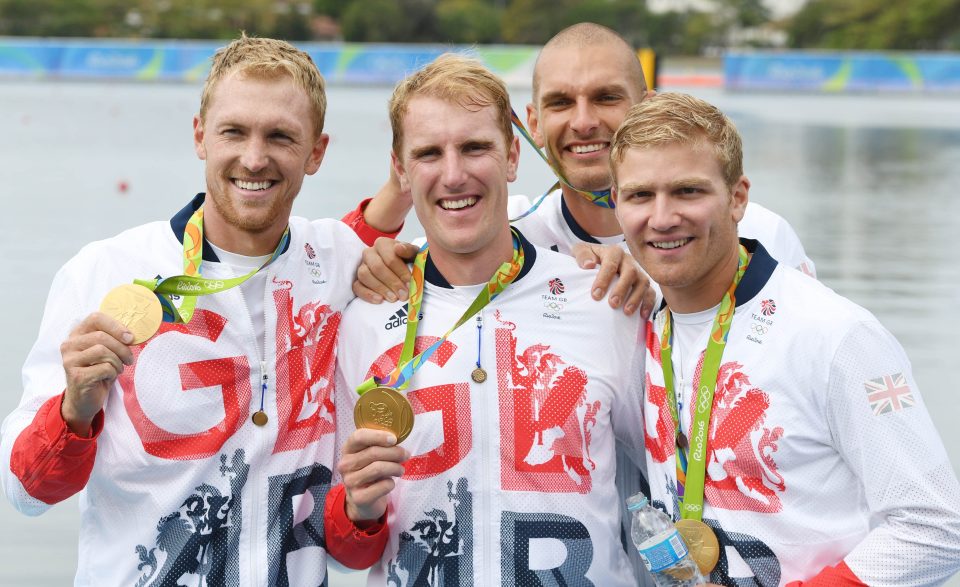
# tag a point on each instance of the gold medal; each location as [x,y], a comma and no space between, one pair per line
[136,307]
[702,543]
[478,375]
[384,408]
[259,418]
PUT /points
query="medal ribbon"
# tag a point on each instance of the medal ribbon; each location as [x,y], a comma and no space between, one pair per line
[191,284]
[400,377]
[692,477]
[599,198]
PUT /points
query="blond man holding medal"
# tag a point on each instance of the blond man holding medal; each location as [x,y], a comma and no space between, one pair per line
[510,476]
[182,377]
[784,431]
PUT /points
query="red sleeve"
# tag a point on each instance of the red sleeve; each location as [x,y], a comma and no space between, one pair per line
[368,234]
[352,547]
[838,576]
[51,462]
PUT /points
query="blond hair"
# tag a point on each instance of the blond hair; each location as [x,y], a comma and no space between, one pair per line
[454,78]
[268,59]
[680,118]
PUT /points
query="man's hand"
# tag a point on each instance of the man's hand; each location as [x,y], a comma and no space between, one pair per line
[383,272]
[369,462]
[632,290]
[94,355]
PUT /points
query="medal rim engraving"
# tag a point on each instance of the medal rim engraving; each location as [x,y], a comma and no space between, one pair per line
[689,528]
[398,404]
[121,297]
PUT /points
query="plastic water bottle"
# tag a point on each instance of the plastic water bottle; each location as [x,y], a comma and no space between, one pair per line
[660,545]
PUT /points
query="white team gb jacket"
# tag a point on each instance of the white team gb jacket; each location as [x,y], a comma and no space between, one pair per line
[185,488]
[511,481]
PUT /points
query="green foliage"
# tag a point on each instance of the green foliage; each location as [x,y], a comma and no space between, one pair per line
[467,21]
[831,24]
[877,24]
[374,21]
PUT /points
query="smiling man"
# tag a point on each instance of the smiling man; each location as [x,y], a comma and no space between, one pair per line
[510,479]
[584,80]
[782,416]
[195,441]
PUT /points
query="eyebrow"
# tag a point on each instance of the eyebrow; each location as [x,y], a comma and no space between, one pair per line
[679,183]
[605,89]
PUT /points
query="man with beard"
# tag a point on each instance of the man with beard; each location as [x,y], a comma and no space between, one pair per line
[198,427]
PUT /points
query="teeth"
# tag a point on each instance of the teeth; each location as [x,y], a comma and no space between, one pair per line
[670,244]
[587,148]
[253,185]
[458,204]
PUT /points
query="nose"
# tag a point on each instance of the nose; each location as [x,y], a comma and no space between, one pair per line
[585,119]
[454,171]
[254,157]
[663,215]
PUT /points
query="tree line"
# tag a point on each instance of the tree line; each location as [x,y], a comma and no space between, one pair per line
[820,24]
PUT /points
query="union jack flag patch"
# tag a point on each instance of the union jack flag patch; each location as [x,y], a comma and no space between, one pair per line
[889,393]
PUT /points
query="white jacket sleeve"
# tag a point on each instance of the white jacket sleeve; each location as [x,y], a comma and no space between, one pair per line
[883,431]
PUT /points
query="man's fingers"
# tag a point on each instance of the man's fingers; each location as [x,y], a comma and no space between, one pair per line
[647,301]
[383,271]
[406,251]
[95,347]
[366,294]
[100,322]
[585,256]
[372,473]
[610,261]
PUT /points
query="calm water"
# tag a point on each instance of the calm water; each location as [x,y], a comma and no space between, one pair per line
[867,181]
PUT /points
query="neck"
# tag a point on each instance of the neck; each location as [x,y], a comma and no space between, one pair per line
[704,293]
[476,267]
[248,244]
[595,220]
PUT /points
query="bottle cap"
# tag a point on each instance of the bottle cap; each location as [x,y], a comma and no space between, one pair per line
[636,502]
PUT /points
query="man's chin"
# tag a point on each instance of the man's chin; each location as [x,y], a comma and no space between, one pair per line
[591,183]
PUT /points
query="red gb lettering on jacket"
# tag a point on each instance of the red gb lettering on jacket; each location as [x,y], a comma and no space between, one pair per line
[452,400]
[545,419]
[231,375]
[742,473]
[306,360]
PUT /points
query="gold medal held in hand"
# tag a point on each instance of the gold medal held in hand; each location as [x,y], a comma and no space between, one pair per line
[136,307]
[702,543]
[384,408]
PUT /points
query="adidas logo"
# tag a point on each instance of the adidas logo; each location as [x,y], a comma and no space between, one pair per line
[398,319]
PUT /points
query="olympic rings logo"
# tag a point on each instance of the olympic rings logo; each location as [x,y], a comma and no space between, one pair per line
[553,305]
[759,328]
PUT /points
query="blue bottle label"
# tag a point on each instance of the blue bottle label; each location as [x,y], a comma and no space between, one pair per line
[664,554]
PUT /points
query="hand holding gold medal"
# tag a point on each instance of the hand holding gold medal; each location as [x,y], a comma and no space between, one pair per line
[136,307]
[384,408]
[381,406]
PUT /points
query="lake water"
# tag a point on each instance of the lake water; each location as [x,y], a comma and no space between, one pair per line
[868,182]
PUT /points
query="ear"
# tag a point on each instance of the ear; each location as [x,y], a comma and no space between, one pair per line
[740,196]
[614,193]
[316,154]
[533,124]
[198,145]
[400,172]
[513,159]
